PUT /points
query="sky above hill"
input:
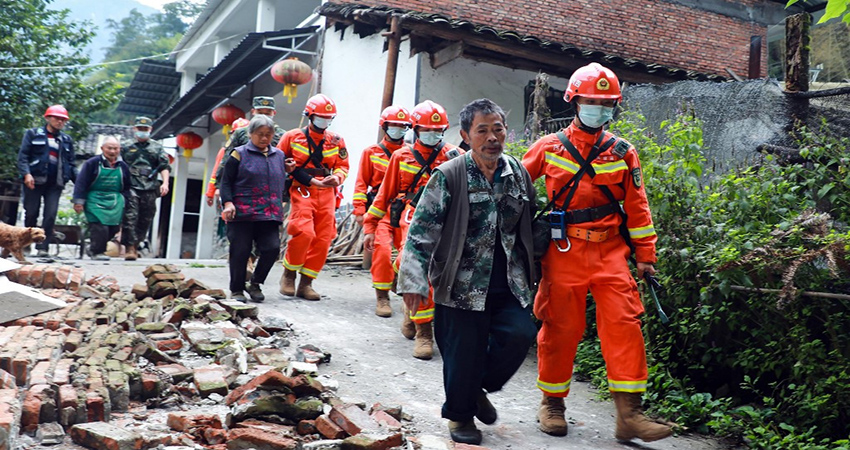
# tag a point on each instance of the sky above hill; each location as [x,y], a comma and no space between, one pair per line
[99,11]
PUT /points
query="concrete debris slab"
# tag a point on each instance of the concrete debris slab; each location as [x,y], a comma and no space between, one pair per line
[50,433]
[7,265]
[105,436]
[17,300]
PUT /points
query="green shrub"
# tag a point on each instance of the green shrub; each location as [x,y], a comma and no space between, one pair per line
[721,238]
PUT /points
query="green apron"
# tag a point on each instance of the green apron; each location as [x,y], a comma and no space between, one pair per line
[104,202]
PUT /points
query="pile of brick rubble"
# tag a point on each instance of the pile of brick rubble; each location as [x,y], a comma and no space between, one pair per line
[172,364]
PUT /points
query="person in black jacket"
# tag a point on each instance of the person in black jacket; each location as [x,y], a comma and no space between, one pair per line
[46,163]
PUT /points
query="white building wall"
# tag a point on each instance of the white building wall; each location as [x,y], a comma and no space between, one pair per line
[353,71]
[461,81]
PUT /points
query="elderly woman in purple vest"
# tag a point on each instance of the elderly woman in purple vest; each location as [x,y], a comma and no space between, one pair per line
[251,191]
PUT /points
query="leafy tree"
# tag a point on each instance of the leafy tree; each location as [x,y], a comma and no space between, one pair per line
[43,63]
[137,36]
[834,8]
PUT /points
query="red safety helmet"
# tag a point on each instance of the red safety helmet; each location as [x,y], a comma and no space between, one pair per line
[239,123]
[320,105]
[397,115]
[593,81]
[430,115]
[57,111]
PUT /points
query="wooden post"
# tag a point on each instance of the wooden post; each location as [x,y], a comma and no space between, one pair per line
[393,44]
[755,58]
[797,63]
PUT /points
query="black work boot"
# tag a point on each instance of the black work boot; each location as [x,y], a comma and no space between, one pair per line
[255,292]
[464,432]
[238,296]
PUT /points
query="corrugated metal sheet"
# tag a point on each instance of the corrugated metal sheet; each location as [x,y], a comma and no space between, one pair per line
[153,88]
[242,64]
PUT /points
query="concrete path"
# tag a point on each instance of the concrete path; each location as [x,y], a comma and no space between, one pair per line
[372,362]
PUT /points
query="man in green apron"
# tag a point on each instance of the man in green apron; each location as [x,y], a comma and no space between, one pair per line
[102,186]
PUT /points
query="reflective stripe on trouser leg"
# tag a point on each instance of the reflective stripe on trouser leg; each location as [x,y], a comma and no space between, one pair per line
[324,226]
[300,230]
[618,307]
[561,306]
[386,236]
[425,313]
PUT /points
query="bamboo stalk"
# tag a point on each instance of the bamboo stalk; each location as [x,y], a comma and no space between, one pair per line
[804,293]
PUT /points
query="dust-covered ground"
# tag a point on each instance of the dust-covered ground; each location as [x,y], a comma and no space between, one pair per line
[372,361]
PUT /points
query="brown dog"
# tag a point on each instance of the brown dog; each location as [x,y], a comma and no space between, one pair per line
[14,239]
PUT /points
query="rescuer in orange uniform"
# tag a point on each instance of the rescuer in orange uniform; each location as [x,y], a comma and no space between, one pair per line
[407,174]
[395,120]
[312,226]
[589,252]
[211,189]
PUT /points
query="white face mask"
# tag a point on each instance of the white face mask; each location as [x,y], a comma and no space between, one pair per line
[396,133]
[143,135]
[594,116]
[321,122]
[430,138]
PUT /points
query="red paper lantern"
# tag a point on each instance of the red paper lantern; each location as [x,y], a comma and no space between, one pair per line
[291,73]
[225,115]
[189,141]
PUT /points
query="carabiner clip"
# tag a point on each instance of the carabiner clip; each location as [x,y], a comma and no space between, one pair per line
[409,215]
[307,195]
[563,250]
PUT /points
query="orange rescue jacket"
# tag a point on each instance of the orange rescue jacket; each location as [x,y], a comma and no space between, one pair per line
[622,175]
[401,170]
[373,166]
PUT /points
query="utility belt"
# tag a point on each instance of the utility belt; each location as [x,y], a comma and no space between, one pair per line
[591,214]
[561,230]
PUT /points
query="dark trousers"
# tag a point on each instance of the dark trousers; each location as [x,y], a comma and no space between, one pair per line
[138,216]
[32,204]
[99,235]
[243,236]
[480,349]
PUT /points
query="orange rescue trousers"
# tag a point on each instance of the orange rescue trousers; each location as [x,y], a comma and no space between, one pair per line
[384,269]
[601,268]
[312,228]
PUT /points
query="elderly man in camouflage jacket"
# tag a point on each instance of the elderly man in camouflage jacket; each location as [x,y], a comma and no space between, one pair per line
[471,240]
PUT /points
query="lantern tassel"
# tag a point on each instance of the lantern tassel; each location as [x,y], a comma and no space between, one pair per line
[226,130]
[187,152]
[290,91]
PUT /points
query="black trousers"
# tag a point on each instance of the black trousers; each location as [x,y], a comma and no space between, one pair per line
[32,204]
[480,350]
[99,235]
[243,236]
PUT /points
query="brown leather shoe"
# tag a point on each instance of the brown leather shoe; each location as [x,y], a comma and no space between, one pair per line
[423,344]
[305,289]
[632,423]
[408,328]
[130,254]
[287,282]
[383,308]
[551,416]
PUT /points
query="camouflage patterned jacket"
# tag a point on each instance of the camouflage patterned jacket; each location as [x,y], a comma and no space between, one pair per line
[452,237]
[146,160]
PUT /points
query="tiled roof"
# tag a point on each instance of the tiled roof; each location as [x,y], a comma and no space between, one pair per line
[88,146]
[373,19]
